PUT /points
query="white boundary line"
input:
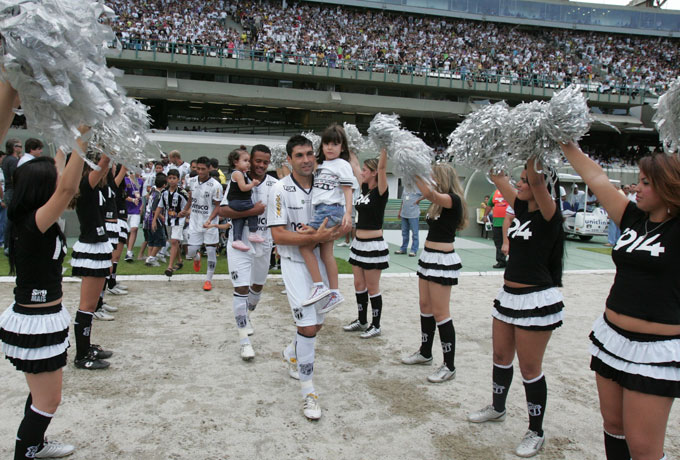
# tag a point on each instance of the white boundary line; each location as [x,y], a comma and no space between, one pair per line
[190,277]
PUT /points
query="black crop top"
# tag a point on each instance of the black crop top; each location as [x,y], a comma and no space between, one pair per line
[121,194]
[443,228]
[647,282]
[235,192]
[370,206]
[38,259]
[110,208]
[90,211]
[532,241]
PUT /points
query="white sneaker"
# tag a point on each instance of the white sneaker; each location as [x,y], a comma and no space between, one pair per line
[102,316]
[488,414]
[333,301]
[342,245]
[311,407]
[442,375]
[530,444]
[370,332]
[247,352]
[317,293]
[129,256]
[109,308]
[291,362]
[416,358]
[54,449]
[162,258]
[284,292]
[121,286]
[355,325]
[116,290]
[152,262]
[249,326]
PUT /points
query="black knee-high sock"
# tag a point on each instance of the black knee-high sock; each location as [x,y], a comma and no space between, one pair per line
[427,328]
[100,301]
[502,378]
[616,447]
[82,328]
[362,306]
[31,434]
[111,281]
[376,306]
[537,395]
[29,401]
[447,335]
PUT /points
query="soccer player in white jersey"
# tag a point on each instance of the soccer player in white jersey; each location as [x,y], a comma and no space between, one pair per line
[289,209]
[249,269]
[180,165]
[205,194]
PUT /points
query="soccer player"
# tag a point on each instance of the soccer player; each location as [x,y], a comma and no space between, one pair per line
[205,194]
[289,210]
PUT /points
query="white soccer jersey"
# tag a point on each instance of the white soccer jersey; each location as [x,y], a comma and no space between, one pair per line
[291,206]
[203,196]
[329,178]
[259,193]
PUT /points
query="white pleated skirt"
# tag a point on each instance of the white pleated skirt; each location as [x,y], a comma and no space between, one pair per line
[439,267]
[369,253]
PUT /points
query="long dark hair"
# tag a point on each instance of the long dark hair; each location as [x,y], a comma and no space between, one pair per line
[34,184]
[334,134]
[556,258]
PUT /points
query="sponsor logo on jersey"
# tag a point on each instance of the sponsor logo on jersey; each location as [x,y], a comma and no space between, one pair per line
[629,239]
[290,188]
[39,296]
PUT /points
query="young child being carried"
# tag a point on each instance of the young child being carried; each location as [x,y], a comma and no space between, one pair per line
[332,200]
[239,198]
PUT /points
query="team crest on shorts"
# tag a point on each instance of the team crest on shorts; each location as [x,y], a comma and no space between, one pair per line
[306,368]
[234,275]
[297,312]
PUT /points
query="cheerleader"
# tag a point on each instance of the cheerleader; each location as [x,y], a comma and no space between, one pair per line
[636,342]
[118,186]
[529,306]
[369,254]
[438,269]
[91,260]
[34,329]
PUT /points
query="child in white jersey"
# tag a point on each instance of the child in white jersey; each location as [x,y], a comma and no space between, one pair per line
[239,198]
[332,200]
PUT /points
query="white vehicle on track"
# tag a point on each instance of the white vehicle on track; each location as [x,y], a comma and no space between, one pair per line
[586,223]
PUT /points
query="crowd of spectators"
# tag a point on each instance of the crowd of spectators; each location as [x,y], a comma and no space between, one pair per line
[334,36]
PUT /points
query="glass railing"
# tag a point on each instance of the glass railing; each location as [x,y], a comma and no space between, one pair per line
[567,13]
[534,84]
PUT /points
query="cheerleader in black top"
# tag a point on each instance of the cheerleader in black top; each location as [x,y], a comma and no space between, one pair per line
[34,329]
[118,187]
[636,343]
[91,260]
[369,254]
[529,305]
[438,269]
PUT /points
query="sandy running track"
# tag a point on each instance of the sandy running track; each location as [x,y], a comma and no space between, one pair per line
[177,388]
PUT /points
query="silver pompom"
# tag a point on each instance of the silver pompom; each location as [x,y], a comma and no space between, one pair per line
[355,140]
[568,116]
[526,135]
[667,118]
[383,128]
[123,137]
[279,156]
[54,58]
[478,142]
[411,158]
[315,139]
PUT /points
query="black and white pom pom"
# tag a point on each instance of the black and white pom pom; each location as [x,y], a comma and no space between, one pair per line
[667,118]
[411,157]
[382,130]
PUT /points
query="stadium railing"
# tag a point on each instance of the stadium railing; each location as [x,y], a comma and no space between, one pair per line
[309,64]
